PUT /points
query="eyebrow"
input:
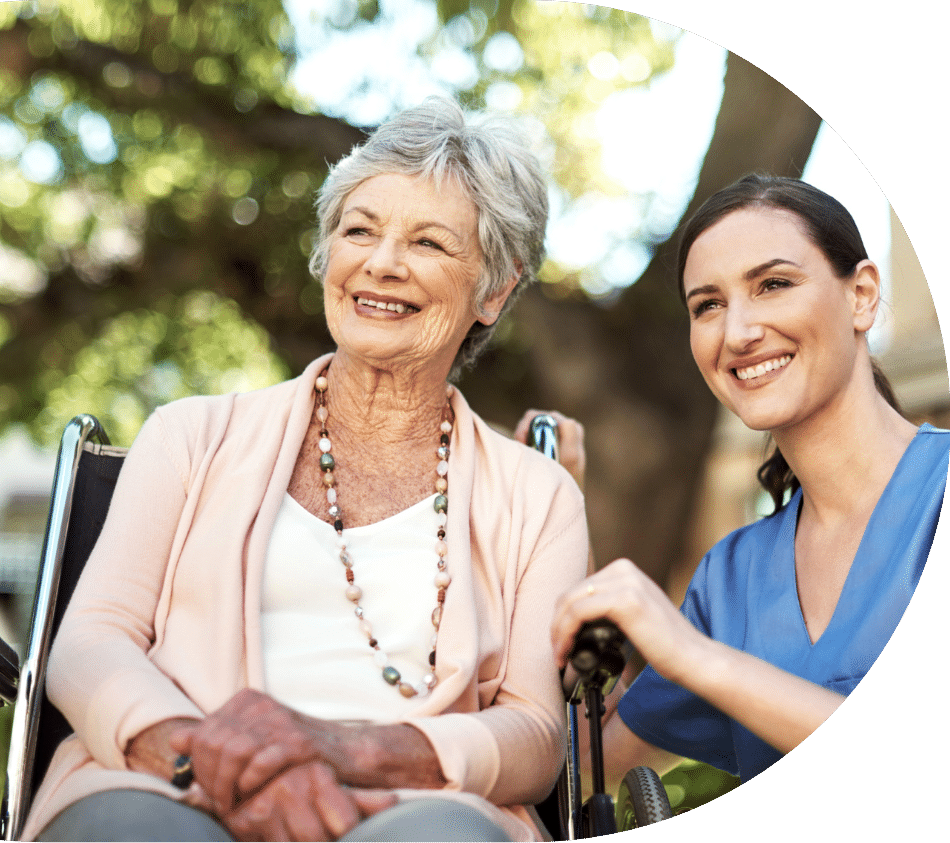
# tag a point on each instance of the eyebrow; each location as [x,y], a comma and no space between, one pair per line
[372,215]
[765,267]
[755,272]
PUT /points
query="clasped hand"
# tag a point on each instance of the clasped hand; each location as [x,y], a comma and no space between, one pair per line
[271,773]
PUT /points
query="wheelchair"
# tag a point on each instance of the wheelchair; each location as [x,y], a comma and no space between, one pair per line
[86,472]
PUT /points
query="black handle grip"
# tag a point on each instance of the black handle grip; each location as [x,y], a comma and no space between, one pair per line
[598,655]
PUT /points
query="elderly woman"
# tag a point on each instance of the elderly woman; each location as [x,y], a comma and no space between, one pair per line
[283,606]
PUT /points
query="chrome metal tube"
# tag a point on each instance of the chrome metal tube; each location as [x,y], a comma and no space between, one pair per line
[26,712]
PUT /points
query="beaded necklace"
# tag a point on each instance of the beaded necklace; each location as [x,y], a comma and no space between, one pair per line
[353,592]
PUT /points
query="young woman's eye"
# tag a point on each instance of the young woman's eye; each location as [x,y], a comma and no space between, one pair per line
[775,283]
[703,307]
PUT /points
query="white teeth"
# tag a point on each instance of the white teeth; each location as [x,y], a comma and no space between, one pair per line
[760,369]
[381,305]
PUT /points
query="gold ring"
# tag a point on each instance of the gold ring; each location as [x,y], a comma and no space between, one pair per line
[590,590]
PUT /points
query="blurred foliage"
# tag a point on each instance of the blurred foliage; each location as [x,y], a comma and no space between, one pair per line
[196,344]
[128,182]
[560,80]
[152,149]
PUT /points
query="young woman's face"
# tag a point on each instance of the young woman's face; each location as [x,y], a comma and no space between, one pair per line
[773,330]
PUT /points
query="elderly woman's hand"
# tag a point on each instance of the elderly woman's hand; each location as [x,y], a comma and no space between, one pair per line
[570,438]
[622,593]
[151,751]
[248,741]
[306,802]
[253,738]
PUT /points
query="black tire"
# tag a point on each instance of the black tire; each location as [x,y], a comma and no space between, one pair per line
[642,800]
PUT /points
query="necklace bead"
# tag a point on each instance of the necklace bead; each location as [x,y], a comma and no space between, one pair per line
[353,592]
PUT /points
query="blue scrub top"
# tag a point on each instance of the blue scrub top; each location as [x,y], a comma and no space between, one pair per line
[744,594]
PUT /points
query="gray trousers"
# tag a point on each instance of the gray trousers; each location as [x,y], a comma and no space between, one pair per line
[115,815]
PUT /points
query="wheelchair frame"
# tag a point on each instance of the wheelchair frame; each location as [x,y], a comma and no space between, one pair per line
[83,434]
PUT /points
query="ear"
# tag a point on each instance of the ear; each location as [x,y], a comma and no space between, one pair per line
[865,290]
[492,306]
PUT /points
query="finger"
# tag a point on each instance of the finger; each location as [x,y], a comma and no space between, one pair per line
[238,825]
[267,763]
[523,426]
[370,802]
[181,739]
[337,810]
[570,435]
[197,797]
[262,818]
[588,601]
[232,759]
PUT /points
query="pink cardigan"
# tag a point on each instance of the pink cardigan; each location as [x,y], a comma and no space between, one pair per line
[165,620]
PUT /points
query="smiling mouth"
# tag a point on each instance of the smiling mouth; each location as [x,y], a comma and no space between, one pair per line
[752,372]
[392,306]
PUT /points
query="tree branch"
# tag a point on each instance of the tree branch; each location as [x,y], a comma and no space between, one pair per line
[211,109]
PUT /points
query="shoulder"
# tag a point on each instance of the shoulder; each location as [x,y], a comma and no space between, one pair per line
[922,471]
[200,416]
[204,422]
[933,440]
[514,489]
[507,463]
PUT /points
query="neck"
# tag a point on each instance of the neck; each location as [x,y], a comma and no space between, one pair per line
[385,407]
[845,456]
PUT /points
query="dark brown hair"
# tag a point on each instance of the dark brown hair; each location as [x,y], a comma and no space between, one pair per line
[828,225]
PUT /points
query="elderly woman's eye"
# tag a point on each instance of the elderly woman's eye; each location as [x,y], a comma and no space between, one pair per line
[430,244]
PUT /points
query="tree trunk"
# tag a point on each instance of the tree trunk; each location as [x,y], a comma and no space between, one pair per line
[625,371]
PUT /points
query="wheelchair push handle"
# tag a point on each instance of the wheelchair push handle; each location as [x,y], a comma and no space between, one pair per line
[598,656]
[542,435]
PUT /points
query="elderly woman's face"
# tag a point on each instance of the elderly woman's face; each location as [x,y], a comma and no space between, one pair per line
[403,264]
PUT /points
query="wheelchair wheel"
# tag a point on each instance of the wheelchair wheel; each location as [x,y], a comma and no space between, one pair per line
[642,800]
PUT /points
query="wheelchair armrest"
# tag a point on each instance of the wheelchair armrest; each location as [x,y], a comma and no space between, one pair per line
[9,672]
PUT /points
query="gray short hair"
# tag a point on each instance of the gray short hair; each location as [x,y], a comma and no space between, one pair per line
[489,158]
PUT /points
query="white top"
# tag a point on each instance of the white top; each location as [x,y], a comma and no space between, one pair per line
[316,658]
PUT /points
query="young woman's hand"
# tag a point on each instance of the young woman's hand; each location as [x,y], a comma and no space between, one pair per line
[780,707]
[622,593]
[570,438]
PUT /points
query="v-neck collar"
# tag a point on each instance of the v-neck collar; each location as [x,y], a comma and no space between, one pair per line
[874,550]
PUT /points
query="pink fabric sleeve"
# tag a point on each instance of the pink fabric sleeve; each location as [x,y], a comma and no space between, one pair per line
[99,674]
[511,751]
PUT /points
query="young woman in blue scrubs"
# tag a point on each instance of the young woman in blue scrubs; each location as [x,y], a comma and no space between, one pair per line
[785,616]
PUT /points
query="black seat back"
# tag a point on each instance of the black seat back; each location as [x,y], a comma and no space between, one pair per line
[92,491]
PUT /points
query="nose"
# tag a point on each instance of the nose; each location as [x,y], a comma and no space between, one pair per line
[743,327]
[386,261]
